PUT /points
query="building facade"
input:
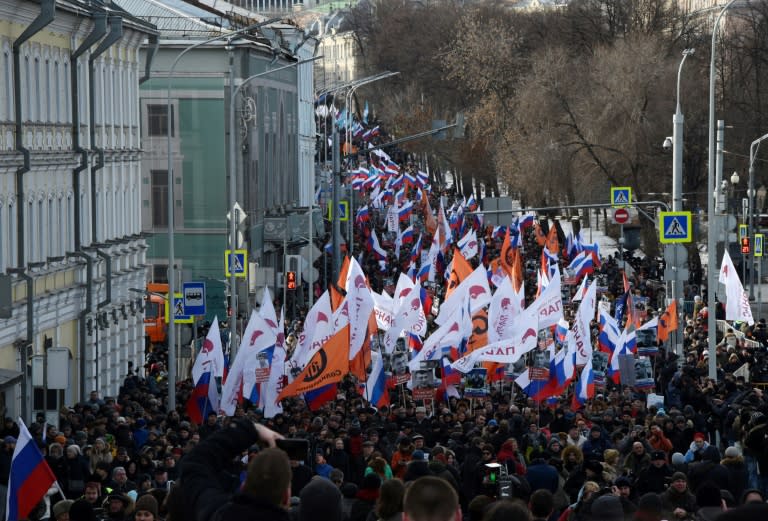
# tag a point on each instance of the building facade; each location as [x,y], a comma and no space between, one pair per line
[70,230]
[274,146]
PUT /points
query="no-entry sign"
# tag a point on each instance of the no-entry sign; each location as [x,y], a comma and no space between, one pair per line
[620,215]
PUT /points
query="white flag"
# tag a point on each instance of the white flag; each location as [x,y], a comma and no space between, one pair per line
[737,302]
[360,307]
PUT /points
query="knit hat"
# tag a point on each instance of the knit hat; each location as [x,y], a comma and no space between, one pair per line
[81,510]
[678,458]
[732,452]
[320,501]
[699,436]
[679,476]
[650,503]
[148,503]
[62,507]
[607,508]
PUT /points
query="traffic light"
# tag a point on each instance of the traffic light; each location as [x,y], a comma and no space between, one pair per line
[290,280]
[745,245]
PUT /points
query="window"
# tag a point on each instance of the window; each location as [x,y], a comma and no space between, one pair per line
[160,197]
[157,120]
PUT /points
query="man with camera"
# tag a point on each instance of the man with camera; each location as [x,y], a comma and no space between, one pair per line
[209,492]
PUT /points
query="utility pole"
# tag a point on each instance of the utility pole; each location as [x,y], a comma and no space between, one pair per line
[335,209]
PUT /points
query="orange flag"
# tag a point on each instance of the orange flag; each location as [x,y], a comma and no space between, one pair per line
[460,270]
[668,322]
[517,272]
[342,280]
[553,245]
[479,336]
[336,297]
[541,239]
[508,254]
[328,365]
[429,220]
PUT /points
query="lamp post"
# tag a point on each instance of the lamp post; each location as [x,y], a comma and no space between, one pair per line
[751,223]
[677,193]
[233,170]
[170,201]
[711,239]
[677,146]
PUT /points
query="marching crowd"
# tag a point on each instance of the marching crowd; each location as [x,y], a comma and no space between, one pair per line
[700,454]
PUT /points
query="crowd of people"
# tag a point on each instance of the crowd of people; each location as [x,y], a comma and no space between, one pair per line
[699,453]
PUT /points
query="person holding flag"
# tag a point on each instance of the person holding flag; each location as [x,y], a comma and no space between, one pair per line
[30,477]
[209,364]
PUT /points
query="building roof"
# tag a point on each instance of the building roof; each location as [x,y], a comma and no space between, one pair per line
[175,18]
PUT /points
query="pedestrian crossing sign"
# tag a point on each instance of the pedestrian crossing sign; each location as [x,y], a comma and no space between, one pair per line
[675,227]
[236,263]
[343,210]
[621,196]
[759,244]
[179,314]
[743,231]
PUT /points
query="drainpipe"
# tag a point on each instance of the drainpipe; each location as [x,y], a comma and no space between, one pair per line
[115,33]
[83,315]
[46,16]
[154,44]
[21,272]
[108,259]
[98,32]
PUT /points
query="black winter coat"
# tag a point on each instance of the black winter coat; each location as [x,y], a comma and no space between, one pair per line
[208,478]
[246,508]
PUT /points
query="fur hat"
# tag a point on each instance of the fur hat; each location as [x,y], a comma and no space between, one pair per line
[62,507]
[148,503]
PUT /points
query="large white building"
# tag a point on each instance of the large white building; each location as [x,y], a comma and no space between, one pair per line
[70,243]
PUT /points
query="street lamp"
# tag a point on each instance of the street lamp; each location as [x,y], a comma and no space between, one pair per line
[751,195]
[677,145]
[170,200]
[233,170]
[676,142]
[711,239]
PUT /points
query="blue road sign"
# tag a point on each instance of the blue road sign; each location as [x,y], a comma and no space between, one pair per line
[237,263]
[621,196]
[675,227]
[194,298]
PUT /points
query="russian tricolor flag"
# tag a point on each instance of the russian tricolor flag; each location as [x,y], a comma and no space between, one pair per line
[526,221]
[30,477]
[585,389]
[376,385]
[405,211]
[315,399]
[362,215]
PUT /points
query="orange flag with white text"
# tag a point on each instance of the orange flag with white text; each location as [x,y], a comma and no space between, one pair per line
[328,365]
